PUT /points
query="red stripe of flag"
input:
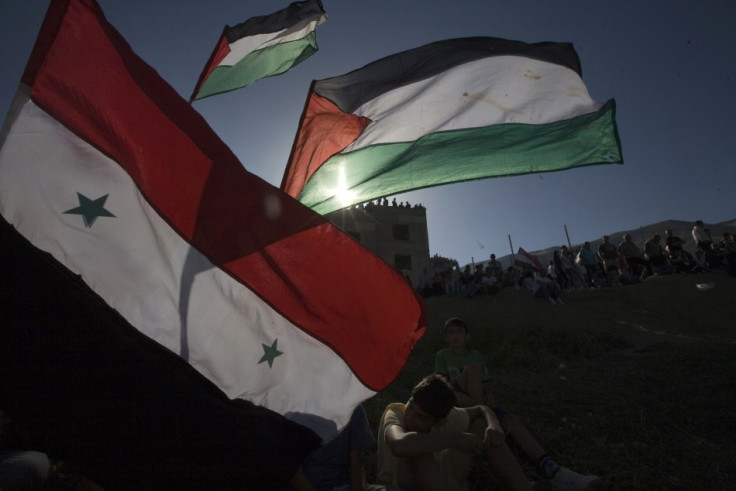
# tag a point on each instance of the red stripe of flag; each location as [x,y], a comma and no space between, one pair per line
[307,269]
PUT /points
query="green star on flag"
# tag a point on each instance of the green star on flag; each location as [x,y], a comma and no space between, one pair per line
[90,209]
[270,353]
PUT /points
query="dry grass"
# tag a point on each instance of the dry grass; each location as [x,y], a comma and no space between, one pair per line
[636,384]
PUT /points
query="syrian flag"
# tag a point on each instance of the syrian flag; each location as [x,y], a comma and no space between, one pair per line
[526,260]
[450,111]
[107,169]
[116,407]
[261,47]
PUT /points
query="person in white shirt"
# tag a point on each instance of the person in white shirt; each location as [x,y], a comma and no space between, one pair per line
[546,287]
[701,237]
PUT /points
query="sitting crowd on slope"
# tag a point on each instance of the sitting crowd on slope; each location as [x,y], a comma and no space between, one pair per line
[609,265]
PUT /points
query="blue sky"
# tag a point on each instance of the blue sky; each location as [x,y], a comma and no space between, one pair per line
[669,65]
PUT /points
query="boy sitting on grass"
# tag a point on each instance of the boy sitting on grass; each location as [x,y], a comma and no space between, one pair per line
[429,444]
[469,377]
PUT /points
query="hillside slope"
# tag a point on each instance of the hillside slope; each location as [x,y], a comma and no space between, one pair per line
[634,383]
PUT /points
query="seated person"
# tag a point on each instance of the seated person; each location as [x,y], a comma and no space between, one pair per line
[716,258]
[19,468]
[489,283]
[452,280]
[654,255]
[728,246]
[627,276]
[336,465]
[546,287]
[527,281]
[512,278]
[495,266]
[673,243]
[680,261]
[425,284]
[701,265]
[470,380]
[467,284]
[611,277]
[428,443]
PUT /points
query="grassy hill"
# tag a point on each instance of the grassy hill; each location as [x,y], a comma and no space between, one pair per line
[634,383]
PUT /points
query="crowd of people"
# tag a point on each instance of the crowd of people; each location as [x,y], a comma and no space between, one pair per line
[385,202]
[585,267]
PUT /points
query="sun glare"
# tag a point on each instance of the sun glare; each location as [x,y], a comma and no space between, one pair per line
[342,193]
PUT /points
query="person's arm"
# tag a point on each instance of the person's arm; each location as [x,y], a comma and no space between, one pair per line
[404,443]
[439,364]
[494,435]
[464,400]
[488,397]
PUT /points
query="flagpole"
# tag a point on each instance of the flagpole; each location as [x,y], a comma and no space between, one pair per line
[512,249]
[208,67]
[284,178]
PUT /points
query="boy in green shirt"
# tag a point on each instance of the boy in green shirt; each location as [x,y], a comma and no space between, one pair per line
[470,379]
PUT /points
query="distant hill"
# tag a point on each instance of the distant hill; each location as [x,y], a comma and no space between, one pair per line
[639,235]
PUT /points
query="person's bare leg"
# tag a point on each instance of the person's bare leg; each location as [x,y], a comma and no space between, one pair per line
[419,473]
[461,463]
[464,400]
[502,462]
[471,384]
[424,473]
[514,428]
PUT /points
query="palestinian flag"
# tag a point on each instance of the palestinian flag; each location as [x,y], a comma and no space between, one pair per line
[108,170]
[261,47]
[526,260]
[449,111]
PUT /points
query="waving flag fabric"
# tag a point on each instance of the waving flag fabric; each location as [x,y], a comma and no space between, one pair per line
[106,168]
[526,260]
[118,408]
[261,47]
[450,111]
